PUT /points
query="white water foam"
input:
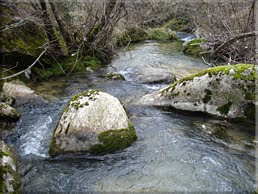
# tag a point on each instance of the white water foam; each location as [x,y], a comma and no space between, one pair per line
[33,139]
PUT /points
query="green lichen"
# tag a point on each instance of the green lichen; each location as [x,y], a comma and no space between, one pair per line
[239,70]
[193,47]
[114,140]
[207,96]
[225,108]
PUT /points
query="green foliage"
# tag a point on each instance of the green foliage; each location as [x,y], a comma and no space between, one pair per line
[67,64]
[239,70]
[114,140]
[193,47]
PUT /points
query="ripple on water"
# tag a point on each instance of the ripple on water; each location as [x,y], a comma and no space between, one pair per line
[31,142]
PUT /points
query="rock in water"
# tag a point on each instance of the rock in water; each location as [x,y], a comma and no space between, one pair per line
[226,91]
[8,113]
[21,93]
[155,75]
[9,176]
[95,122]
[115,76]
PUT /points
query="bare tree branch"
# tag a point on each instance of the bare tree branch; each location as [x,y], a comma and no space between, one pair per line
[23,71]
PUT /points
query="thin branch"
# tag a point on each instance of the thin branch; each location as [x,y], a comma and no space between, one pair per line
[16,74]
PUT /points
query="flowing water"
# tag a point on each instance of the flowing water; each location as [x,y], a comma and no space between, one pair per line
[171,154]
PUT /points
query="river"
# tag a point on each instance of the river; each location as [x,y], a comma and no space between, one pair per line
[171,153]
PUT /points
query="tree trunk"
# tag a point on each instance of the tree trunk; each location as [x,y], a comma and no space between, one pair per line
[107,14]
[64,33]
[49,27]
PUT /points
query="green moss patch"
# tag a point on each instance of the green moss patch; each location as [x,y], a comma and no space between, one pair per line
[193,47]
[114,140]
[225,108]
[207,96]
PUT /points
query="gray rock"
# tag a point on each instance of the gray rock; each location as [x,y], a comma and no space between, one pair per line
[115,76]
[93,121]
[218,91]
[10,180]
[21,93]
[155,75]
[7,112]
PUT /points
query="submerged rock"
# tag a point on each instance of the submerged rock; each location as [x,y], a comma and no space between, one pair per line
[115,76]
[155,75]
[7,112]
[20,92]
[213,127]
[194,47]
[226,91]
[9,177]
[95,122]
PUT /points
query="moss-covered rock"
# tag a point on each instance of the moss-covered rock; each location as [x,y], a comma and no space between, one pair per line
[193,47]
[9,177]
[132,35]
[93,121]
[213,127]
[225,91]
[162,34]
[115,76]
[177,24]
[114,140]
[8,113]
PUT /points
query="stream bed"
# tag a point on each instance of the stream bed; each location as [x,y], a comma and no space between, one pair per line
[171,154]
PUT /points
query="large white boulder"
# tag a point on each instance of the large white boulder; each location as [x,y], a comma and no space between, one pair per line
[226,91]
[93,121]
